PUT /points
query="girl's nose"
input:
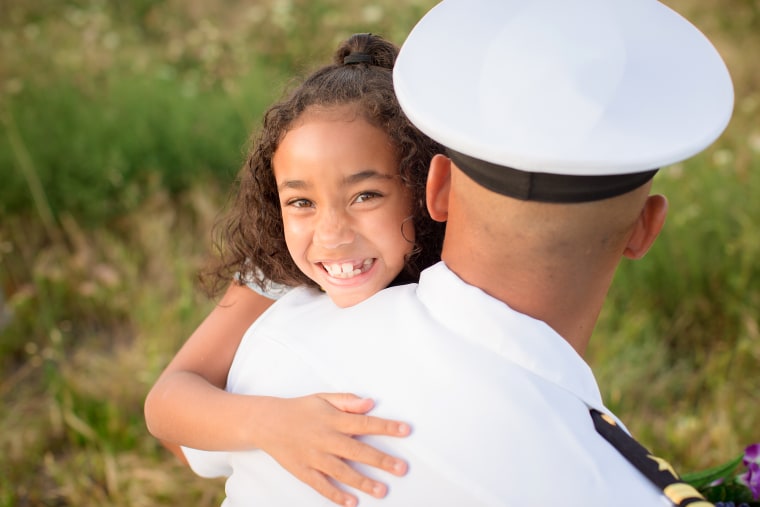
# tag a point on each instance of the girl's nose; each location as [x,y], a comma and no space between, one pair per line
[333,229]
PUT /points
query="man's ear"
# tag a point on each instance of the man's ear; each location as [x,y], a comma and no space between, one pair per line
[438,186]
[647,227]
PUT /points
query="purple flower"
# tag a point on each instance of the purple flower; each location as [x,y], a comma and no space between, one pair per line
[752,454]
[751,478]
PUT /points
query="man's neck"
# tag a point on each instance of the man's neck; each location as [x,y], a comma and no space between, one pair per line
[566,303]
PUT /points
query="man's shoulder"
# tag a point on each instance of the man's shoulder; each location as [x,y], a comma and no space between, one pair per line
[304,299]
[414,307]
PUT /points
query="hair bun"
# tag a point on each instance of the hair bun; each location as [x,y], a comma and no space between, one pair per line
[366,48]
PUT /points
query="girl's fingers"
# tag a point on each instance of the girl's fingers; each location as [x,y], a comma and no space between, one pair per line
[348,402]
[353,421]
[342,472]
[357,424]
[351,449]
[322,485]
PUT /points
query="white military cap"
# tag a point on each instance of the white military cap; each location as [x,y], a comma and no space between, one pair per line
[563,100]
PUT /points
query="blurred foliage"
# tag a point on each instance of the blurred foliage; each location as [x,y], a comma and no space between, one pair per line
[95,152]
[122,125]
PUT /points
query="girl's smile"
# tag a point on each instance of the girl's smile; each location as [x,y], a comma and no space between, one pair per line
[349,269]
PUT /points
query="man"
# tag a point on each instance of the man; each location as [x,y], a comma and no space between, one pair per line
[556,115]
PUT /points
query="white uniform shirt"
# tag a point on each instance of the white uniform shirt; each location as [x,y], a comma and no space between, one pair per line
[498,402]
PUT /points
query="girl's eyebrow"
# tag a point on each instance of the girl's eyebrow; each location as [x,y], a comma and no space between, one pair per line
[295,184]
[352,179]
[364,175]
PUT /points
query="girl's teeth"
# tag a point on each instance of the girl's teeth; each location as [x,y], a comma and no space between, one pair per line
[346,269]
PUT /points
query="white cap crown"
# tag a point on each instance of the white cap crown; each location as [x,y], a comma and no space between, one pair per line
[570,87]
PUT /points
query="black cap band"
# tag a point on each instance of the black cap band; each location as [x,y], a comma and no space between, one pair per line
[545,187]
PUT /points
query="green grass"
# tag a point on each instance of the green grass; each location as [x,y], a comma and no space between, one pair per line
[121,128]
[94,152]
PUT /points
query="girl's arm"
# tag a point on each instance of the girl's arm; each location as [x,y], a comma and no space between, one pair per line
[311,436]
[200,368]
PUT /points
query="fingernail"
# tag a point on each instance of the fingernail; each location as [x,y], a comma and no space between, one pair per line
[377,490]
[350,502]
[403,428]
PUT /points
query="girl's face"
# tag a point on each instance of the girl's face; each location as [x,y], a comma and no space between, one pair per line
[343,204]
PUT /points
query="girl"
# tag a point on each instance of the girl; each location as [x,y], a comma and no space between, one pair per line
[331,196]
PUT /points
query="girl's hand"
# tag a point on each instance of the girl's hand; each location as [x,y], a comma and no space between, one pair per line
[312,438]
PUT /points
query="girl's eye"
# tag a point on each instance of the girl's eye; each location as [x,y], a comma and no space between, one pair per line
[366,196]
[299,203]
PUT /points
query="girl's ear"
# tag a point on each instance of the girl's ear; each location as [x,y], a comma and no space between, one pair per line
[438,187]
[647,227]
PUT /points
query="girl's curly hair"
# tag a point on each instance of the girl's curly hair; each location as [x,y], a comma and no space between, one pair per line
[251,238]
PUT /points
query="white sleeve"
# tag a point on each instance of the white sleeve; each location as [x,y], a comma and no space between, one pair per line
[208,464]
[270,290]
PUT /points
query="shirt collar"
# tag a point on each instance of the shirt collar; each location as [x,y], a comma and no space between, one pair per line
[530,343]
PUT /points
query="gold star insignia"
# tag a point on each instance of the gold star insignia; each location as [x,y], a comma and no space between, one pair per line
[663,465]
